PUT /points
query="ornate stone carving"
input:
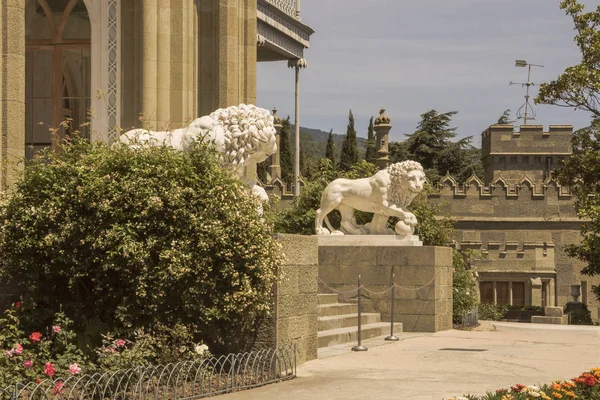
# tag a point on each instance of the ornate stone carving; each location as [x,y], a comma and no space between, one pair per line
[242,135]
[388,193]
[382,119]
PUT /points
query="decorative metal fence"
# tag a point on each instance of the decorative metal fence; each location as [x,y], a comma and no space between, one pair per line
[184,380]
[470,318]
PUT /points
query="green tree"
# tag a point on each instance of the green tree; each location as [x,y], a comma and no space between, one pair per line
[430,145]
[349,155]
[504,118]
[579,85]
[330,149]
[285,153]
[371,154]
[126,238]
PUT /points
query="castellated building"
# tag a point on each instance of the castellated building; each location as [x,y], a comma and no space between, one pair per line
[519,219]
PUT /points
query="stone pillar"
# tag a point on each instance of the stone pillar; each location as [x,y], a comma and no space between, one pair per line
[382,129]
[536,292]
[227,53]
[12,95]
[159,57]
[297,65]
[275,167]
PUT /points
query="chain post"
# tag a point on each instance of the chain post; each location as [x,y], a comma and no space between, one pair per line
[392,337]
[359,347]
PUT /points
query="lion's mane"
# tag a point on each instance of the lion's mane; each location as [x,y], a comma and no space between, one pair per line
[398,192]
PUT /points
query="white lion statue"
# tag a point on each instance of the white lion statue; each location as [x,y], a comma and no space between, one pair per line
[243,136]
[386,194]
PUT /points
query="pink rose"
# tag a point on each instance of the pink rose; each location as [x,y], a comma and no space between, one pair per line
[49,369]
[74,369]
[120,343]
[18,349]
[35,337]
[18,304]
[27,364]
[56,329]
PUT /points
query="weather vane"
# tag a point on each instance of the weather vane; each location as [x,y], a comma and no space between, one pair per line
[529,111]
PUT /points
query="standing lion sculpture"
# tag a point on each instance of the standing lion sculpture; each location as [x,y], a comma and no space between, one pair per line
[386,194]
[243,136]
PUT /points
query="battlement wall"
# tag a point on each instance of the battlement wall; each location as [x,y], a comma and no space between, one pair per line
[501,200]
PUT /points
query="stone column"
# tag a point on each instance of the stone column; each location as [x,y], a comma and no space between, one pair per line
[227,53]
[297,65]
[382,129]
[159,58]
[12,96]
[275,167]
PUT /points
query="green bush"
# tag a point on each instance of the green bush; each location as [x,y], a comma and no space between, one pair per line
[136,238]
[464,286]
[492,312]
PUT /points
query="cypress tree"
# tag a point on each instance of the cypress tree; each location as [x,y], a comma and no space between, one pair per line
[329,150]
[349,155]
[285,153]
[371,154]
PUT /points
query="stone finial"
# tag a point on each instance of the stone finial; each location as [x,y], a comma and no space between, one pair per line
[382,119]
[276,119]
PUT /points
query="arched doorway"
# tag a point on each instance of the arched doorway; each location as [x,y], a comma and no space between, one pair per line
[58,71]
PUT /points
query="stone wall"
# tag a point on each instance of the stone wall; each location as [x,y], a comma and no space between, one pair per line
[295,315]
[520,227]
[423,274]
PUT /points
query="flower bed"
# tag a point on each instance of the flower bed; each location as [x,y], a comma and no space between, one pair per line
[583,387]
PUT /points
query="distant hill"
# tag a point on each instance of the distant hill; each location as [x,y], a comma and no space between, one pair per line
[313,142]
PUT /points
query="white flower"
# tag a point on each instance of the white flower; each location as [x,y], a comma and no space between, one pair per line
[201,348]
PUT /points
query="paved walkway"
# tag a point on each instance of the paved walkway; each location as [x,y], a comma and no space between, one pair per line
[417,367]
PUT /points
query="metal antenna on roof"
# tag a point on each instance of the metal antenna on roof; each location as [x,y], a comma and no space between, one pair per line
[526,111]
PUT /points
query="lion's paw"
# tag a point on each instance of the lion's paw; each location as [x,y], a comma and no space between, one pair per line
[323,231]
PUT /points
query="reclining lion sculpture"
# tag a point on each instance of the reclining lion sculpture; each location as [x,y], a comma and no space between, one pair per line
[388,193]
[242,135]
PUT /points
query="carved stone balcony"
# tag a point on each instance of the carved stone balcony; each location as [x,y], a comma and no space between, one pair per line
[281,35]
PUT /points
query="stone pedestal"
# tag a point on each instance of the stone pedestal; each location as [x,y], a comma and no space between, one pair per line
[424,276]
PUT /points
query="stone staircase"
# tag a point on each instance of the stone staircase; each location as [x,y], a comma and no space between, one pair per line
[338,322]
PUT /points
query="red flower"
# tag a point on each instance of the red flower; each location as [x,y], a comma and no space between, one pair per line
[58,387]
[49,369]
[120,343]
[517,388]
[35,337]
[18,304]
[38,381]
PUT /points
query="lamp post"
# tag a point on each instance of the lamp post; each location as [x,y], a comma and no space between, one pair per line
[522,64]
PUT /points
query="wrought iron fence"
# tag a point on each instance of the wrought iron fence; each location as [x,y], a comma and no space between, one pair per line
[470,318]
[184,380]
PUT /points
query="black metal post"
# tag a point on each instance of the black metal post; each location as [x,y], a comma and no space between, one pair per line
[359,347]
[392,338]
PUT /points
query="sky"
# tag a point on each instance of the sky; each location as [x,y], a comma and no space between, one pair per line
[414,56]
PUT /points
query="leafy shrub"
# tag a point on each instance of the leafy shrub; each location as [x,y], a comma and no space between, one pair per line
[579,316]
[464,286]
[29,355]
[137,238]
[492,312]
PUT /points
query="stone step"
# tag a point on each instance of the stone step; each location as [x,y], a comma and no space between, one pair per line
[327,298]
[328,310]
[332,337]
[347,320]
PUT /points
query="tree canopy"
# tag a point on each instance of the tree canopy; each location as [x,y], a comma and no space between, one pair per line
[371,154]
[579,85]
[349,155]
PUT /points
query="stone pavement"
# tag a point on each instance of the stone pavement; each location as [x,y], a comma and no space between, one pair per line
[416,367]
